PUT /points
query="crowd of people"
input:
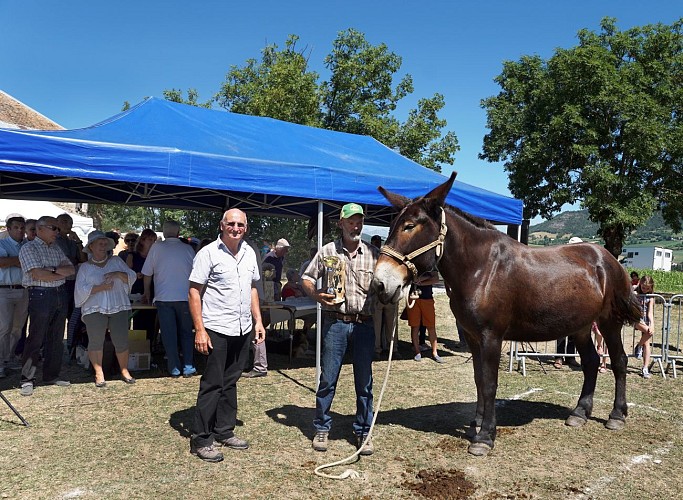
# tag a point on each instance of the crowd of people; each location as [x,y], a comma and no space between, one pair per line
[50,279]
[207,296]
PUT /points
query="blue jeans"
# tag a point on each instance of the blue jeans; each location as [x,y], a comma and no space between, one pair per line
[47,308]
[336,337]
[175,323]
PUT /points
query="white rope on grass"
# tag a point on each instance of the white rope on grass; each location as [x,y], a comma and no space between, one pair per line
[350,473]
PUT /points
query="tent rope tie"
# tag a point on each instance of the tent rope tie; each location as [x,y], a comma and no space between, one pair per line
[350,473]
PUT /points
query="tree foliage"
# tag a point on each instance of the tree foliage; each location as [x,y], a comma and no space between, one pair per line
[599,123]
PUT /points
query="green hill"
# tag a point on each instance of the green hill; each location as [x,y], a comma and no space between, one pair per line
[558,230]
[567,224]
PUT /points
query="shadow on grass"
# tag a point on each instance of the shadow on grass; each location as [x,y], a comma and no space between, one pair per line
[451,419]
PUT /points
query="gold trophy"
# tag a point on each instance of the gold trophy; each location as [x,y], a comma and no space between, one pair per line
[335,278]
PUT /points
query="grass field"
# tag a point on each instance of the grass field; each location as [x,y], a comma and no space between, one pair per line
[132,441]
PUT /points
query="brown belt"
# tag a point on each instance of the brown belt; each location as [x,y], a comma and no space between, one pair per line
[349,318]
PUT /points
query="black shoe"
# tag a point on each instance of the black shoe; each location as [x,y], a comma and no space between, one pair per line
[254,374]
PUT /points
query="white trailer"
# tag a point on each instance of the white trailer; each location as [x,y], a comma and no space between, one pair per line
[655,258]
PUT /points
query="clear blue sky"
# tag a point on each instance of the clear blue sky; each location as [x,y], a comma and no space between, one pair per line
[77,61]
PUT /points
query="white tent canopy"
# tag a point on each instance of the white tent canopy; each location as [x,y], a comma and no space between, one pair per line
[36,209]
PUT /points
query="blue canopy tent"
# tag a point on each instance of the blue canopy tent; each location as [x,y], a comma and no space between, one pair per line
[166,154]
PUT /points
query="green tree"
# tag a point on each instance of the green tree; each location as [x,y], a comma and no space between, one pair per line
[599,123]
[280,86]
[360,98]
[174,95]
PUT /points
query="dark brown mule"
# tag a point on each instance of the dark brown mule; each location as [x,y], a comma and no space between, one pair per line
[502,290]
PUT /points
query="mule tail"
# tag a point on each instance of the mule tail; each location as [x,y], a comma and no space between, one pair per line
[626,311]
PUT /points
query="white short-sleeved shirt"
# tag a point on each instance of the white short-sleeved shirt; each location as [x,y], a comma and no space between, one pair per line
[106,301]
[228,279]
[170,263]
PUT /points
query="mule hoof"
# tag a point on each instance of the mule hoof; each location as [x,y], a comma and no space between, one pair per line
[615,425]
[574,421]
[479,449]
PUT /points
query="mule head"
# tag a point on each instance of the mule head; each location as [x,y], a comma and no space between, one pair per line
[412,246]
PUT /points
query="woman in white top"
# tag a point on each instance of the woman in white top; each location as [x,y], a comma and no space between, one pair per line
[103,284]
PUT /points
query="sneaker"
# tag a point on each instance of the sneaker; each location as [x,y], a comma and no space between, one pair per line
[206,453]
[235,443]
[365,449]
[58,383]
[438,359]
[26,389]
[418,357]
[254,374]
[175,373]
[646,373]
[189,372]
[320,441]
[638,352]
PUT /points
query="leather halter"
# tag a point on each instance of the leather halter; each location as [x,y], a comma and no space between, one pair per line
[407,259]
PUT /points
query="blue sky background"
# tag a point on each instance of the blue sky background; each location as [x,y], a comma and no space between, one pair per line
[77,61]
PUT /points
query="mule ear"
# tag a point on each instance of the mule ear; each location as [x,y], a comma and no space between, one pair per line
[397,201]
[439,193]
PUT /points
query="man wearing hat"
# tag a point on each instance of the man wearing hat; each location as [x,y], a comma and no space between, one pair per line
[45,269]
[276,258]
[13,296]
[347,323]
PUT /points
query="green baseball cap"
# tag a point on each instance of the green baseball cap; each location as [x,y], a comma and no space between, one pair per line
[350,209]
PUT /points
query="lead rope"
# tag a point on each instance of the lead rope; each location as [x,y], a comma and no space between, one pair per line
[350,472]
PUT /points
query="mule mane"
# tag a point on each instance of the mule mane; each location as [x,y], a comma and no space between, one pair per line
[472,219]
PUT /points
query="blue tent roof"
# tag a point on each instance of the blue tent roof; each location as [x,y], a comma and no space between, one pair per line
[161,153]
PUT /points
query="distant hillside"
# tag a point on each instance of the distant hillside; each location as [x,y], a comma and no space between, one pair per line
[559,229]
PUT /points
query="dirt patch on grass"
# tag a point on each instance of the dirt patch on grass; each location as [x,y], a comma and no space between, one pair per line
[444,484]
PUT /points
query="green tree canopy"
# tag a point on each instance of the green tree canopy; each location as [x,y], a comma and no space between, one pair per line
[599,124]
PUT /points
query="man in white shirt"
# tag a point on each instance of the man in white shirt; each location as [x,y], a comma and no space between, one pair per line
[169,263]
[225,308]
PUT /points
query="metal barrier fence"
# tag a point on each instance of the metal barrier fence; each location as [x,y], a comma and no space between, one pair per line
[674,334]
[666,342]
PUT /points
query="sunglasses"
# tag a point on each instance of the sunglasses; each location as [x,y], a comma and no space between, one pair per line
[131,240]
[241,225]
[51,227]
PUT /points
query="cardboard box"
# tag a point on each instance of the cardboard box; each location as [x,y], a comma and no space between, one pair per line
[139,357]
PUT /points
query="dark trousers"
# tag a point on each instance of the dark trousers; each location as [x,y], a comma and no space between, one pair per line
[47,308]
[216,412]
